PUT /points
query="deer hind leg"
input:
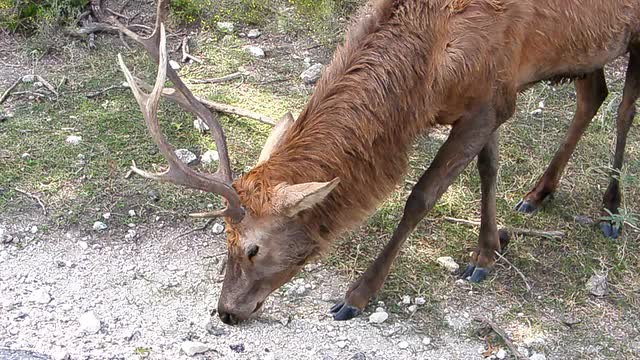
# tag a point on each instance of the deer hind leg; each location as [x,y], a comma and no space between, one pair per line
[590,93]
[626,112]
[489,240]
[467,138]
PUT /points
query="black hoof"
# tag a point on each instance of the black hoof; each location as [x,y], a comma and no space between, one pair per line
[342,311]
[612,231]
[468,271]
[478,275]
[525,207]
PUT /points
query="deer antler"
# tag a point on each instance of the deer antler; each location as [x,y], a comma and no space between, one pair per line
[178,172]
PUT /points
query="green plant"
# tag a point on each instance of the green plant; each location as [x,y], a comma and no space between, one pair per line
[31,15]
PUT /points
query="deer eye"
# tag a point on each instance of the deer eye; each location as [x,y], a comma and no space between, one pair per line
[253,251]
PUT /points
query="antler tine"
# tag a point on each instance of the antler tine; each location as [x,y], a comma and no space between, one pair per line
[178,172]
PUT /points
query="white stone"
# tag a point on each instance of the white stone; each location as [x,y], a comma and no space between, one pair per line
[89,323]
[131,234]
[301,290]
[341,344]
[536,112]
[28,78]
[403,345]
[255,51]
[378,317]
[106,216]
[83,245]
[419,301]
[225,26]
[379,309]
[597,284]
[172,267]
[217,228]
[200,125]
[312,74]
[34,229]
[413,308]
[448,263]
[325,297]
[132,213]
[40,296]
[73,140]
[426,341]
[209,157]
[538,357]
[501,354]
[174,65]
[191,348]
[99,226]
[254,33]
[186,156]
[406,300]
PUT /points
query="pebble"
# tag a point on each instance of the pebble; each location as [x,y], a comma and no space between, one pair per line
[406,300]
[359,356]
[538,357]
[239,348]
[419,301]
[89,323]
[28,78]
[254,34]
[426,341]
[301,290]
[106,216]
[186,156]
[131,234]
[312,74]
[325,297]
[212,329]
[191,348]
[413,308]
[378,317]
[341,344]
[132,213]
[99,226]
[83,245]
[597,284]
[536,112]
[40,296]
[200,125]
[153,195]
[448,263]
[501,354]
[209,157]
[255,51]
[583,220]
[172,267]
[34,229]
[224,26]
[174,65]
[403,345]
[73,140]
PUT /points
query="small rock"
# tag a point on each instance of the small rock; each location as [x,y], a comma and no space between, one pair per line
[379,309]
[501,354]
[226,27]
[132,213]
[40,296]
[583,220]
[448,263]
[106,216]
[131,234]
[99,226]
[301,290]
[255,51]
[541,104]
[307,61]
[426,341]
[89,323]
[254,34]
[34,229]
[186,156]
[83,245]
[413,308]
[536,112]
[239,348]
[597,284]
[25,155]
[200,125]
[406,300]
[73,140]
[312,74]
[341,344]
[153,195]
[209,157]
[378,317]
[538,357]
[403,344]
[217,228]
[172,267]
[38,84]
[28,79]
[214,330]
[191,348]
[174,65]
[359,356]
[419,301]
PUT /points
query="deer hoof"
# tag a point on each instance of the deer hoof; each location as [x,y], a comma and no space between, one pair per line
[343,311]
[468,271]
[612,231]
[478,275]
[525,207]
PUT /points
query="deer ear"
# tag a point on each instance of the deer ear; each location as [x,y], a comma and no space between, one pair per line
[276,135]
[291,199]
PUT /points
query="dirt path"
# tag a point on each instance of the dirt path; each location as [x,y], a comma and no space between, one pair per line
[154,292]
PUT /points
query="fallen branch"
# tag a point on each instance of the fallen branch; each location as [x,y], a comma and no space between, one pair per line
[185,52]
[102,91]
[36,198]
[486,323]
[524,278]
[201,228]
[7,92]
[515,231]
[47,85]
[27,92]
[219,80]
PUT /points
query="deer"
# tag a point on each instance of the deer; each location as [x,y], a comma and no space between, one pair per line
[405,67]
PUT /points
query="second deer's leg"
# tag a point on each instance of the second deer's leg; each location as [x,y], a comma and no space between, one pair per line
[626,112]
[590,93]
[465,141]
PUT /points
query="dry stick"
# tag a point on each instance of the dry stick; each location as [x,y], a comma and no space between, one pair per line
[237,111]
[488,323]
[117,14]
[517,231]
[524,278]
[219,80]
[185,52]
[201,228]
[6,93]
[102,91]
[44,209]
[47,85]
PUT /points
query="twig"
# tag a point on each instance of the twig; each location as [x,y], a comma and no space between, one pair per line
[36,198]
[185,52]
[114,13]
[228,109]
[47,85]
[524,278]
[102,91]
[6,93]
[516,231]
[202,228]
[222,79]
[27,92]
[493,326]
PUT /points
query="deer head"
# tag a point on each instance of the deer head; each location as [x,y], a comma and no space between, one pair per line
[268,245]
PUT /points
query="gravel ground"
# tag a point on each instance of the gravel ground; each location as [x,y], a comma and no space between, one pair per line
[151,293]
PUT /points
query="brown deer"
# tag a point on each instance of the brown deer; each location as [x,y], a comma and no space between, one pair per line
[410,65]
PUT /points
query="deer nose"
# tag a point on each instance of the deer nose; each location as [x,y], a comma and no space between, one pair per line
[228,318]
